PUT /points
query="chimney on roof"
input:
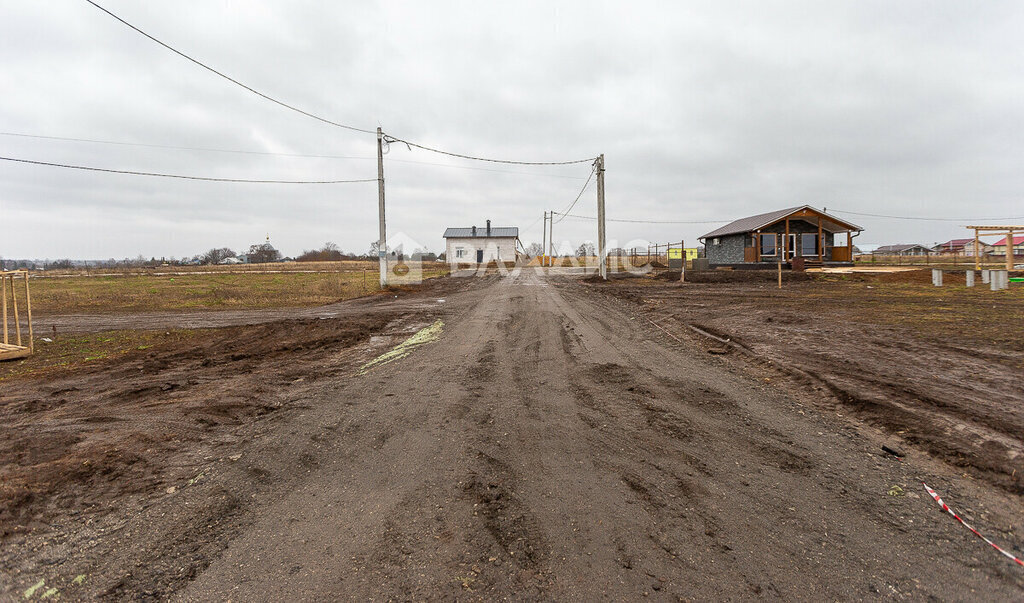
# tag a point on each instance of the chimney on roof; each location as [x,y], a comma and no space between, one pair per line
[474,231]
[488,228]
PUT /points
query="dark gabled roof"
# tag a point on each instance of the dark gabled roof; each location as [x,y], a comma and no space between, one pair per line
[956,243]
[899,247]
[481,232]
[752,223]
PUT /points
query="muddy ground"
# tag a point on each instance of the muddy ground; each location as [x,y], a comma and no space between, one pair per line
[552,443]
[939,369]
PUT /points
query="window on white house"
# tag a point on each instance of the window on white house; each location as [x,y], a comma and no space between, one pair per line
[460,252]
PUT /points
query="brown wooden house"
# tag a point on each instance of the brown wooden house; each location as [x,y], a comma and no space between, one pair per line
[765,239]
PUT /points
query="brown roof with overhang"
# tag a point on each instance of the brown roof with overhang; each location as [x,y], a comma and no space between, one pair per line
[750,224]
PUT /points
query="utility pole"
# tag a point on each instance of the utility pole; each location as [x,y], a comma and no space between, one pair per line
[600,216]
[382,241]
[544,239]
[551,239]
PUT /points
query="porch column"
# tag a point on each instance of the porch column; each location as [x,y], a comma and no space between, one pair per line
[757,245]
[849,244]
[785,242]
[821,243]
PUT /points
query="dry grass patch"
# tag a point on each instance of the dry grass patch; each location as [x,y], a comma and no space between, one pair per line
[142,293]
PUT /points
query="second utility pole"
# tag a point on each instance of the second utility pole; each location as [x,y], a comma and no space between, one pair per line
[600,217]
[544,240]
[382,241]
[551,239]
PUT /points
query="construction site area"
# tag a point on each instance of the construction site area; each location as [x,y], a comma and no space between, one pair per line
[573,301]
[526,433]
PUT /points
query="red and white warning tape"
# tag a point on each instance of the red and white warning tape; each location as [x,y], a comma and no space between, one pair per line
[935,495]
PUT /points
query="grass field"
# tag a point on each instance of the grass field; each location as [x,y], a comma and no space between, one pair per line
[132,292]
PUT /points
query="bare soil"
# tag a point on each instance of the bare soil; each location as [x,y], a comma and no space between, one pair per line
[941,369]
[552,443]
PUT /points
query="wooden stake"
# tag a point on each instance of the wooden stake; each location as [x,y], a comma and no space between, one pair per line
[977,251]
[1009,251]
[28,309]
[3,285]
[14,302]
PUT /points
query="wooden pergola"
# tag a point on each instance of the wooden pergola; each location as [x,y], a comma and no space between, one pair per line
[995,230]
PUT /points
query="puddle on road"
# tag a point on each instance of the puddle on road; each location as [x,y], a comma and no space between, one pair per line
[424,335]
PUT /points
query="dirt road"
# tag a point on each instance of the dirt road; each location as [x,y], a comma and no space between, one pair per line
[553,444]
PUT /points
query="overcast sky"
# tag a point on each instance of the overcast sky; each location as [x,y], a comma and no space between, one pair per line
[704,111]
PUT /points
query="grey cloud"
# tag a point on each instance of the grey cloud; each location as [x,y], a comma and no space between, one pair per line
[704,111]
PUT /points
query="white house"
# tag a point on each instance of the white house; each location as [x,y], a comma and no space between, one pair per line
[481,245]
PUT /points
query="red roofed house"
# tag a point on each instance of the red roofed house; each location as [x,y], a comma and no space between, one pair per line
[962,247]
[999,247]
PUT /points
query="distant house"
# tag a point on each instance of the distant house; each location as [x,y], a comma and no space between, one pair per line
[903,249]
[765,239]
[962,247]
[230,261]
[999,247]
[474,245]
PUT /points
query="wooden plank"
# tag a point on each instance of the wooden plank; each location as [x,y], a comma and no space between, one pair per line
[28,310]
[1009,251]
[14,304]
[11,352]
[3,285]
[977,252]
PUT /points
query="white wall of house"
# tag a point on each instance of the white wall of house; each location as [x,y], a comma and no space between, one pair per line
[463,250]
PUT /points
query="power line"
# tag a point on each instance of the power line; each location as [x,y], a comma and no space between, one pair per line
[854,213]
[566,215]
[231,79]
[582,190]
[268,153]
[317,117]
[390,139]
[134,173]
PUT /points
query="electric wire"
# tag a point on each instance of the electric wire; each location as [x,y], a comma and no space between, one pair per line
[231,79]
[582,190]
[271,154]
[389,138]
[318,118]
[567,215]
[854,213]
[184,177]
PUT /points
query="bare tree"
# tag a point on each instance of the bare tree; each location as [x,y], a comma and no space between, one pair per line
[534,249]
[328,253]
[217,255]
[586,249]
[263,253]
